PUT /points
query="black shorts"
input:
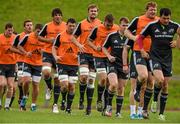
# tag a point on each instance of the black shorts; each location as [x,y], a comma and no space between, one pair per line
[86,59]
[101,62]
[7,70]
[139,60]
[133,72]
[48,57]
[69,70]
[114,68]
[32,70]
[166,67]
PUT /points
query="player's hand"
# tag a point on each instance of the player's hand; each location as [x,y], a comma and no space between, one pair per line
[58,58]
[125,69]
[28,54]
[98,48]
[81,48]
[111,58]
[144,54]
[52,39]
[173,44]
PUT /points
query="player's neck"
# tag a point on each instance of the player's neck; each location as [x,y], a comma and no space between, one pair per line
[91,19]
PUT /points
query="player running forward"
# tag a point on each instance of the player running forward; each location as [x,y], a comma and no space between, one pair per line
[161,33]
[96,40]
[86,68]
[142,64]
[117,78]
[28,27]
[7,64]
[129,67]
[47,35]
[31,47]
[65,54]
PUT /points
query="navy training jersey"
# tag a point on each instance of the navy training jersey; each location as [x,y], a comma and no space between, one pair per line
[161,36]
[115,42]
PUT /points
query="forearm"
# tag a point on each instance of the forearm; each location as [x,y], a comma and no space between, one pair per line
[129,35]
[105,51]
[178,42]
[54,51]
[15,50]
[125,55]
[42,39]
[21,49]
[92,45]
[75,42]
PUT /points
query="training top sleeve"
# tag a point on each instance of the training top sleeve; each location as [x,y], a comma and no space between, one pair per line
[24,40]
[147,30]
[16,41]
[57,41]
[43,31]
[133,25]
[107,42]
[93,34]
[77,31]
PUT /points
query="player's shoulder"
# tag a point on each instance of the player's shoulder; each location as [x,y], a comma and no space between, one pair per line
[174,23]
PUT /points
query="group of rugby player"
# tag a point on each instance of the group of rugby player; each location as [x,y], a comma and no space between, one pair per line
[88,51]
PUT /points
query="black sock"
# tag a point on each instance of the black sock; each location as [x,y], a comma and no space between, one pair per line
[48,82]
[119,102]
[163,99]
[70,98]
[110,97]
[105,98]
[12,99]
[100,90]
[156,93]
[147,97]
[89,93]
[63,93]
[82,88]
[138,86]
[20,92]
[56,93]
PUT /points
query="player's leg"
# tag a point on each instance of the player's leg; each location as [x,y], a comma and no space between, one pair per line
[36,78]
[113,84]
[73,78]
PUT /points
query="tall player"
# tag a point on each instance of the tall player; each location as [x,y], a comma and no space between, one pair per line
[47,35]
[86,69]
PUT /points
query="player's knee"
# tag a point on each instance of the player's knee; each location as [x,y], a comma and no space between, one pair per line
[113,87]
[83,78]
[143,77]
[92,77]
[83,71]
[64,86]
[56,81]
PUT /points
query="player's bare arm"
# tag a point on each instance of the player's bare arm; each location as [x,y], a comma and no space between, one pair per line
[178,38]
[54,52]
[80,46]
[48,40]
[125,58]
[129,35]
[111,58]
[91,44]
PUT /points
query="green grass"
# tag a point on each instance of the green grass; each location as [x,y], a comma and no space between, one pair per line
[46,116]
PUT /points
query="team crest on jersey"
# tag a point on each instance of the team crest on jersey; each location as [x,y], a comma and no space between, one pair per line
[70,50]
[44,58]
[157,30]
[164,32]
[115,41]
[156,65]
[171,30]
[138,60]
